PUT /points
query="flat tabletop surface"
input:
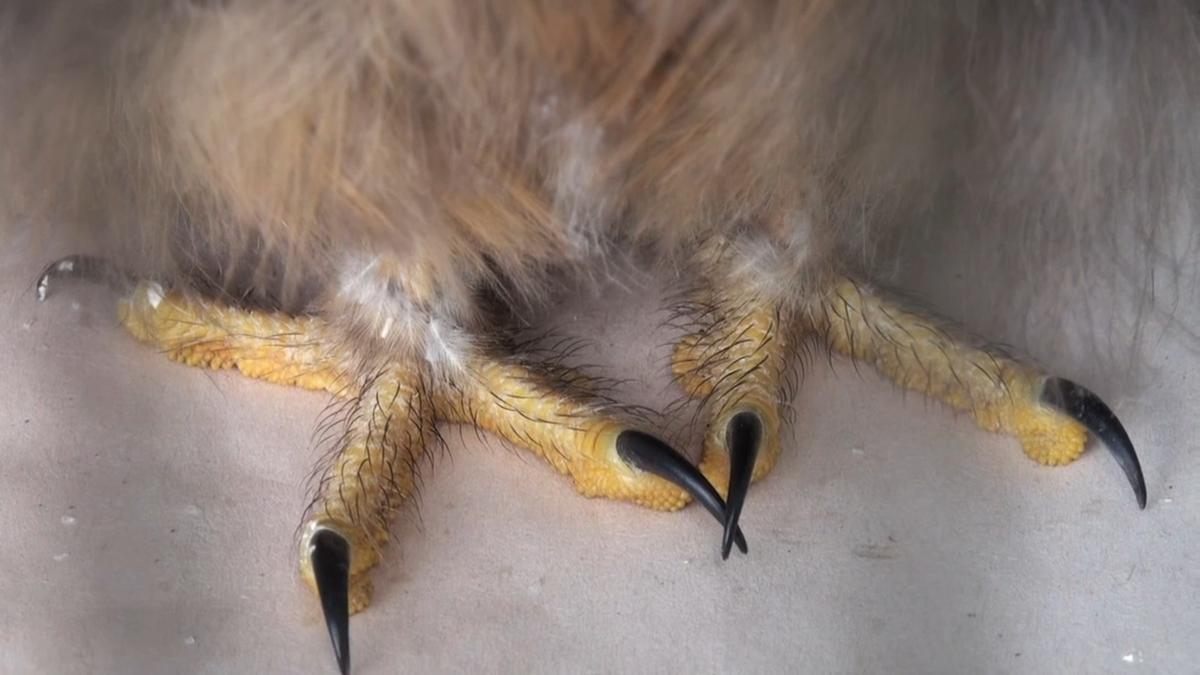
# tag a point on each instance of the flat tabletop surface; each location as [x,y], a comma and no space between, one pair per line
[151,512]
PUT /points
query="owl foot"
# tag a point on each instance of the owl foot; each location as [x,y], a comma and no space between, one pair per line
[735,360]
[1050,416]
[389,412]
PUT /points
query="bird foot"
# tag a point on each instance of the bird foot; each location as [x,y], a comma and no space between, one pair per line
[387,415]
[736,361]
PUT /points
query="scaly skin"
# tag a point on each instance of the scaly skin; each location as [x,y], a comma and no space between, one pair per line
[372,477]
[737,360]
[570,433]
[395,409]
[999,393]
[736,363]
[281,349]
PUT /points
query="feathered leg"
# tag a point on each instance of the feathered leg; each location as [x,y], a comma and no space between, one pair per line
[579,433]
[1050,416]
[736,362]
[392,407]
[372,476]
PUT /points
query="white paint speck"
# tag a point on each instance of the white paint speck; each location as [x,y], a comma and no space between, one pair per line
[67,520]
[61,557]
[154,295]
[26,325]
[1166,500]
[189,640]
[1132,657]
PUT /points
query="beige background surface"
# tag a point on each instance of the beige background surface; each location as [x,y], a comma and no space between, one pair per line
[150,508]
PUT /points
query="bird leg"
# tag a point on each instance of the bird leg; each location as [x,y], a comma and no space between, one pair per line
[735,362]
[736,358]
[553,413]
[371,477]
[391,408]
[1050,416]
[288,350]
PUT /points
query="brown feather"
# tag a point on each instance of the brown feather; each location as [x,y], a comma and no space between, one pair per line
[262,147]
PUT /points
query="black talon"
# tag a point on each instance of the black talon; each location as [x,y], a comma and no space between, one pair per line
[743,436]
[86,267]
[1087,408]
[329,553]
[647,453]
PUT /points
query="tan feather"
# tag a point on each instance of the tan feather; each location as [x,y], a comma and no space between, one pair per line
[264,145]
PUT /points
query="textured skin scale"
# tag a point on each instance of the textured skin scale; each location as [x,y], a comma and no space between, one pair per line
[265,346]
[355,499]
[738,364]
[572,436]
[372,477]
[999,393]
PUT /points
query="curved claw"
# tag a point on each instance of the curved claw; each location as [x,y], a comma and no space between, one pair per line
[1082,405]
[330,556]
[743,437]
[86,267]
[645,452]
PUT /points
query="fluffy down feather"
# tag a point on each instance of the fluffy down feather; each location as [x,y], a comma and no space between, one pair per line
[275,150]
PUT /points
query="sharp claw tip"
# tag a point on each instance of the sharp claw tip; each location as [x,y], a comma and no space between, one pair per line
[647,453]
[1079,403]
[743,436]
[729,542]
[330,557]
